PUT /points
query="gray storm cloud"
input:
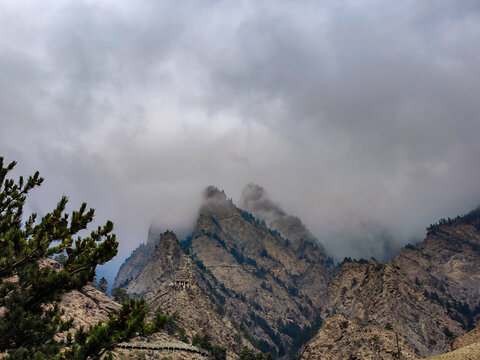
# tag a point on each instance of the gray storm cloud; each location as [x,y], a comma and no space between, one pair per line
[360,118]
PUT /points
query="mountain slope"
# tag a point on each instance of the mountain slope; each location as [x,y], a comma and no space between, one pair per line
[427,295]
[241,252]
[132,266]
[171,282]
[247,285]
[466,347]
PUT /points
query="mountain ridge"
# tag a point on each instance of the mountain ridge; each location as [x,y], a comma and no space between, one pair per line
[258,288]
[258,278]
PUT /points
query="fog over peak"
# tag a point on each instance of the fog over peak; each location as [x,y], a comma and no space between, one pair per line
[212,193]
[256,200]
[360,118]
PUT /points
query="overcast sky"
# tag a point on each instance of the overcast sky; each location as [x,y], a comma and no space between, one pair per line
[360,117]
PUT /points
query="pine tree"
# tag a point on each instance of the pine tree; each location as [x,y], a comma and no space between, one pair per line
[103,285]
[120,295]
[30,290]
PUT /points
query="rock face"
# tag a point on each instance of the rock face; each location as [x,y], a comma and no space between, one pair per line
[466,347]
[171,282]
[88,306]
[379,303]
[237,280]
[135,262]
[241,253]
[163,354]
[345,338]
[426,296]
[448,260]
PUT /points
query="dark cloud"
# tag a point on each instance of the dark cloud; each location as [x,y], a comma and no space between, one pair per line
[359,117]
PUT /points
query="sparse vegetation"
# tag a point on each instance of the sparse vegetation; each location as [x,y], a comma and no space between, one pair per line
[237,255]
[265,254]
[299,335]
[218,353]
[120,295]
[204,341]
[447,332]
[292,290]
[248,354]
[220,309]
[275,337]
[471,218]
[102,285]
[182,335]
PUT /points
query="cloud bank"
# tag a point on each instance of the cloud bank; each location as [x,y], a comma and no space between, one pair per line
[361,118]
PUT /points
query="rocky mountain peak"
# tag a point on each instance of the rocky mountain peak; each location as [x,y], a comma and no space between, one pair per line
[153,236]
[215,202]
[256,200]
[212,192]
[167,239]
[242,273]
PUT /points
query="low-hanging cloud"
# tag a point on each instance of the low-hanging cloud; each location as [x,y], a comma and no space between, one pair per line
[360,118]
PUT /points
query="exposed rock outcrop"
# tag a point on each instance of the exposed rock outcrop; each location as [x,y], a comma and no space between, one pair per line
[257,277]
[88,306]
[137,259]
[247,284]
[466,347]
[169,282]
[427,295]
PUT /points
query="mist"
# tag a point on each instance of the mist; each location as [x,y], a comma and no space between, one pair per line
[360,118]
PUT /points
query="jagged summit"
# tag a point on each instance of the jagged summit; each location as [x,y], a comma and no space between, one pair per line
[256,200]
[255,276]
[215,202]
[212,192]
[166,263]
[234,262]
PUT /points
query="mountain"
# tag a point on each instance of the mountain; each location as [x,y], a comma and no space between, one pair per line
[255,200]
[247,284]
[253,275]
[465,347]
[89,306]
[172,282]
[137,259]
[411,307]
